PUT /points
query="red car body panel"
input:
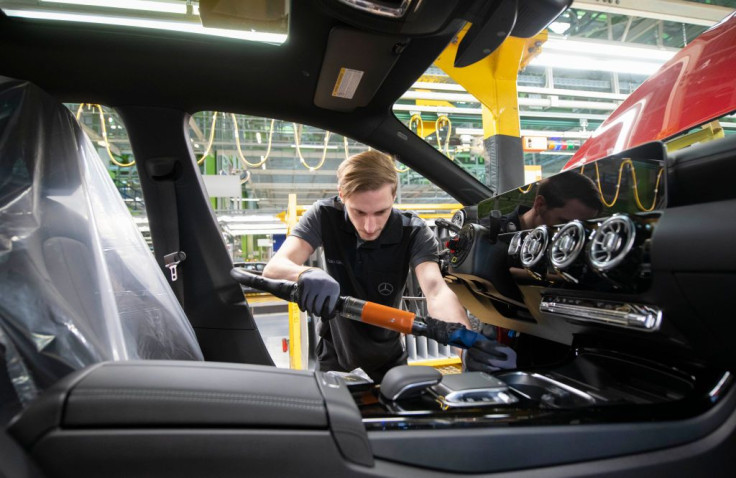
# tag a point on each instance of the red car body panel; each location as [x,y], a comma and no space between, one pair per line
[695,86]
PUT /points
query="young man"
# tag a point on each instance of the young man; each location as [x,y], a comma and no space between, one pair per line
[560,199]
[369,247]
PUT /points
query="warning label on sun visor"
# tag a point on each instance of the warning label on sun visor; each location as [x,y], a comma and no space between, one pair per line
[347,83]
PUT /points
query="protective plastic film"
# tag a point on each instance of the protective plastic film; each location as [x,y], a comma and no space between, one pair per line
[78,284]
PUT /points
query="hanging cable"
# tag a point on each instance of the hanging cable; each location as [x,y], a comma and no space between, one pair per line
[528,188]
[241,156]
[630,164]
[297,135]
[270,139]
[104,133]
[443,120]
[417,118]
[400,170]
[237,141]
[211,139]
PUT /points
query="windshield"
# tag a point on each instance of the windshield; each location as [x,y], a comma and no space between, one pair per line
[531,105]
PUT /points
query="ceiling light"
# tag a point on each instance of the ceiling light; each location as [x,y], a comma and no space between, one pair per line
[597,63]
[559,27]
[604,49]
[557,153]
[313,146]
[186,27]
[602,56]
[146,5]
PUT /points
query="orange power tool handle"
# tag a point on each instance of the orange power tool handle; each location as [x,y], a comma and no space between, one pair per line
[388,317]
[379,315]
[350,307]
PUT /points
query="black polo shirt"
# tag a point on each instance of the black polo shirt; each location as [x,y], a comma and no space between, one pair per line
[374,270]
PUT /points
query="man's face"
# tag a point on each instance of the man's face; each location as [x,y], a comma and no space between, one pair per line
[369,211]
[573,209]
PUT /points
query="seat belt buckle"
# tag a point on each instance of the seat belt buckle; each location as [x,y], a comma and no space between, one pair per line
[171,261]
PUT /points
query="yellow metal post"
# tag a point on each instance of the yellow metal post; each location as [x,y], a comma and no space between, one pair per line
[297,324]
[493,82]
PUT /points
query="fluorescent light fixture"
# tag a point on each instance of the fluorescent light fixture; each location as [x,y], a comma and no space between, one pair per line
[251,218]
[256,229]
[478,132]
[314,146]
[602,56]
[186,27]
[603,49]
[590,63]
[145,5]
[559,27]
[557,153]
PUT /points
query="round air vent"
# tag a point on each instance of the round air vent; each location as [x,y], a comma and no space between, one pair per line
[515,244]
[567,244]
[534,246]
[612,242]
[458,218]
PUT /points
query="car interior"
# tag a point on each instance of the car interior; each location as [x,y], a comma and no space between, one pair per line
[118,362]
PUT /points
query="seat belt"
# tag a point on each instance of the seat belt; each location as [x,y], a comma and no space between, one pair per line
[162,172]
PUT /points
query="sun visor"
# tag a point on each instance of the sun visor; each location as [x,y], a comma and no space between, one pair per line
[79,284]
[355,65]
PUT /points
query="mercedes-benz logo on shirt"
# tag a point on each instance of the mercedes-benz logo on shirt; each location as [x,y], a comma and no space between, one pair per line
[385,288]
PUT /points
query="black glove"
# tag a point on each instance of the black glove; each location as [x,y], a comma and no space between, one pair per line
[489,355]
[318,293]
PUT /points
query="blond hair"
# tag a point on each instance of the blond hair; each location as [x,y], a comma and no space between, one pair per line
[366,171]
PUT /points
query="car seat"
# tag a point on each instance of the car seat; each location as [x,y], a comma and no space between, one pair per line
[79,285]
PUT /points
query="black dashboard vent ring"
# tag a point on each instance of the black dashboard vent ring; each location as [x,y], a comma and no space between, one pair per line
[610,244]
[534,246]
[567,244]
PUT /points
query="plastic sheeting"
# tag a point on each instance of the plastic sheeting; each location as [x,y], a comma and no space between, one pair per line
[78,284]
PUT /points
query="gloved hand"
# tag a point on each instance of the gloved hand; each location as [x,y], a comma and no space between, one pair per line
[489,355]
[318,293]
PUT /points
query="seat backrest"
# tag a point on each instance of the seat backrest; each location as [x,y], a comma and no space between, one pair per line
[78,283]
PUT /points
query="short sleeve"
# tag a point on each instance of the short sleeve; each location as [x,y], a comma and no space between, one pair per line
[424,246]
[309,226]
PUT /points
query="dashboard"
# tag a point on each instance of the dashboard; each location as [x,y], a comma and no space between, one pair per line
[584,276]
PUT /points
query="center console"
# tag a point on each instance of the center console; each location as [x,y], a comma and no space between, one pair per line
[203,419]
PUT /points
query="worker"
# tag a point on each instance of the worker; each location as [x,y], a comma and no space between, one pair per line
[369,247]
[560,199]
